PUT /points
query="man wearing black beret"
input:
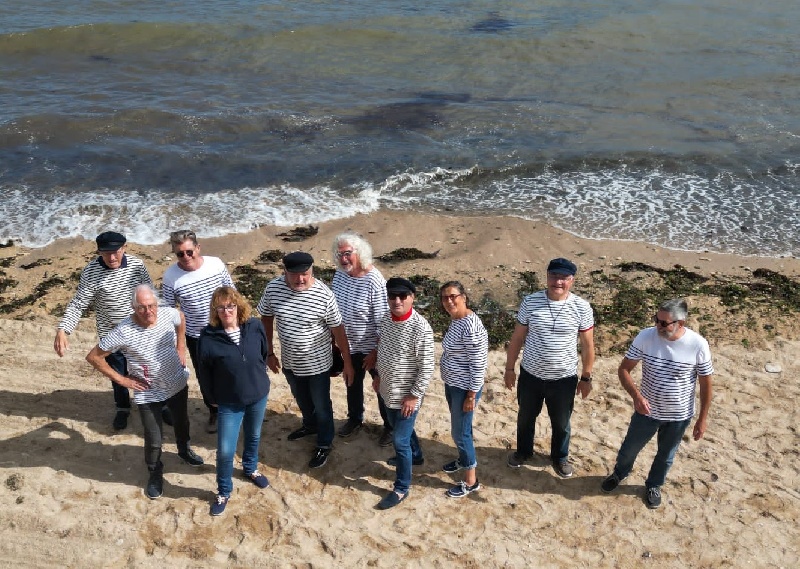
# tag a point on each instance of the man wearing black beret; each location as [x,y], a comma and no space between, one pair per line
[550,323]
[305,313]
[107,282]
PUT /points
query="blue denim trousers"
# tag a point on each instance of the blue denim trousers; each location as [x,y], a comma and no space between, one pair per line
[230,419]
[313,396]
[559,396]
[122,397]
[406,446]
[640,431]
[461,424]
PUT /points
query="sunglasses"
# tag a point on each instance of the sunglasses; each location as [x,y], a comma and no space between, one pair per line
[187,253]
[663,323]
[400,295]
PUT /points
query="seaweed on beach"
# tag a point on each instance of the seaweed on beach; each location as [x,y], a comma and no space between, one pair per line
[36,263]
[325,274]
[270,256]
[7,244]
[406,254]
[7,262]
[6,283]
[251,282]
[300,233]
[38,292]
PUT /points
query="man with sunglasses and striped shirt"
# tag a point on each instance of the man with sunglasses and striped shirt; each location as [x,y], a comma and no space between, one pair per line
[674,359]
[189,284]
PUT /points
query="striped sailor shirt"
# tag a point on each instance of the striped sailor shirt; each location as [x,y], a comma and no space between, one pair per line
[670,370]
[303,320]
[151,353]
[110,290]
[551,350]
[362,302]
[192,291]
[405,358]
[465,353]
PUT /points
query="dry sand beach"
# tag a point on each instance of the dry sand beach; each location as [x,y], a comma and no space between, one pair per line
[72,488]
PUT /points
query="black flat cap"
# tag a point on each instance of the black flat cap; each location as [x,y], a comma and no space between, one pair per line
[400,285]
[298,262]
[562,266]
[110,241]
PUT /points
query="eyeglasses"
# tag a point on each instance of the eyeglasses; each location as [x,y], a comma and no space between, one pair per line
[663,323]
[450,297]
[142,308]
[558,276]
[226,308]
[400,295]
[187,253]
[343,254]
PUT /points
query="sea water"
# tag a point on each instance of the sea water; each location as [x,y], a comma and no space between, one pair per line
[675,123]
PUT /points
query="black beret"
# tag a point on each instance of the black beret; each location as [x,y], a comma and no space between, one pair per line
[562,266]
[400,285]
[298,262]
[110,241]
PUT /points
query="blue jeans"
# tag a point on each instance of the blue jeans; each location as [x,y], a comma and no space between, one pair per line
[313,396]
[122,397]
[230,418]
[461,425]
[406,446]
[640,431]
[559,396]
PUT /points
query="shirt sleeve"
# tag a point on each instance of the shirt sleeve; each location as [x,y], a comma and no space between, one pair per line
[79,303]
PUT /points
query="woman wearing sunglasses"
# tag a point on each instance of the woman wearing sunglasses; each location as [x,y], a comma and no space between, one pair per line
[465,351]
[233,351]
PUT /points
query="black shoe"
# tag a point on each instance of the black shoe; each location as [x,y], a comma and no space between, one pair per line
[211,426]
[515,460]
[320,458]
[351,427]
[391,500]
[652,497]
[155,484]
[300,433]
[452,467]
[386,438]
[563,469]
[610,483]
[166,416]
[190,457]
[121,419]
[415,461]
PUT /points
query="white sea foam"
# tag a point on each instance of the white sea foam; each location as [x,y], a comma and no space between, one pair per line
[148,217]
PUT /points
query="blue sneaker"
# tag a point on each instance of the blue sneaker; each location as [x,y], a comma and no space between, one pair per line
[452,467]
[218,505]
[391,500]
[461,490]
[258,479]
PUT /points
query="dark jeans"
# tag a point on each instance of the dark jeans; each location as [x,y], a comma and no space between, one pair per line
[151,420]
[559,396]
[355,393]
[313,396]
[122,397]
[191,345]
[640,431]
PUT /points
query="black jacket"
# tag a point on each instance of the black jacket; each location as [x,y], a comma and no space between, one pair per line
[231,374]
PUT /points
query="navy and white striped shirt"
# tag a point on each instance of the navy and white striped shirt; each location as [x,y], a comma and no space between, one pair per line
[551,350]
[110,290]
[192,291]
[405,358]
[465,353]
[303,320]
[362,302]
[670,370]
[151,353]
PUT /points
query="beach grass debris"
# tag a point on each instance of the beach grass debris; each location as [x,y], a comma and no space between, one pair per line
[299,233]
[406,254]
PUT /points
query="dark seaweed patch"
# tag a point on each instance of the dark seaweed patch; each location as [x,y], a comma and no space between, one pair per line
[406,254]
[271,256]
[300,233]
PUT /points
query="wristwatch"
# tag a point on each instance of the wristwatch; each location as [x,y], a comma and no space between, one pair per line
[587,379]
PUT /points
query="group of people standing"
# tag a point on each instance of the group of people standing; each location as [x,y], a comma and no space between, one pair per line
[368,325]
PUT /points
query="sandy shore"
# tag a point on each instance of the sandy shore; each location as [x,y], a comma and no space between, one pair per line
[72,493]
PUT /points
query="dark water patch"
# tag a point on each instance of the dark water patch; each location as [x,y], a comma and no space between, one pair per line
[493,23]
[407,115]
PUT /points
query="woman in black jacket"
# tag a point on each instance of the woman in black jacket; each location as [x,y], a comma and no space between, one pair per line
[233,351]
